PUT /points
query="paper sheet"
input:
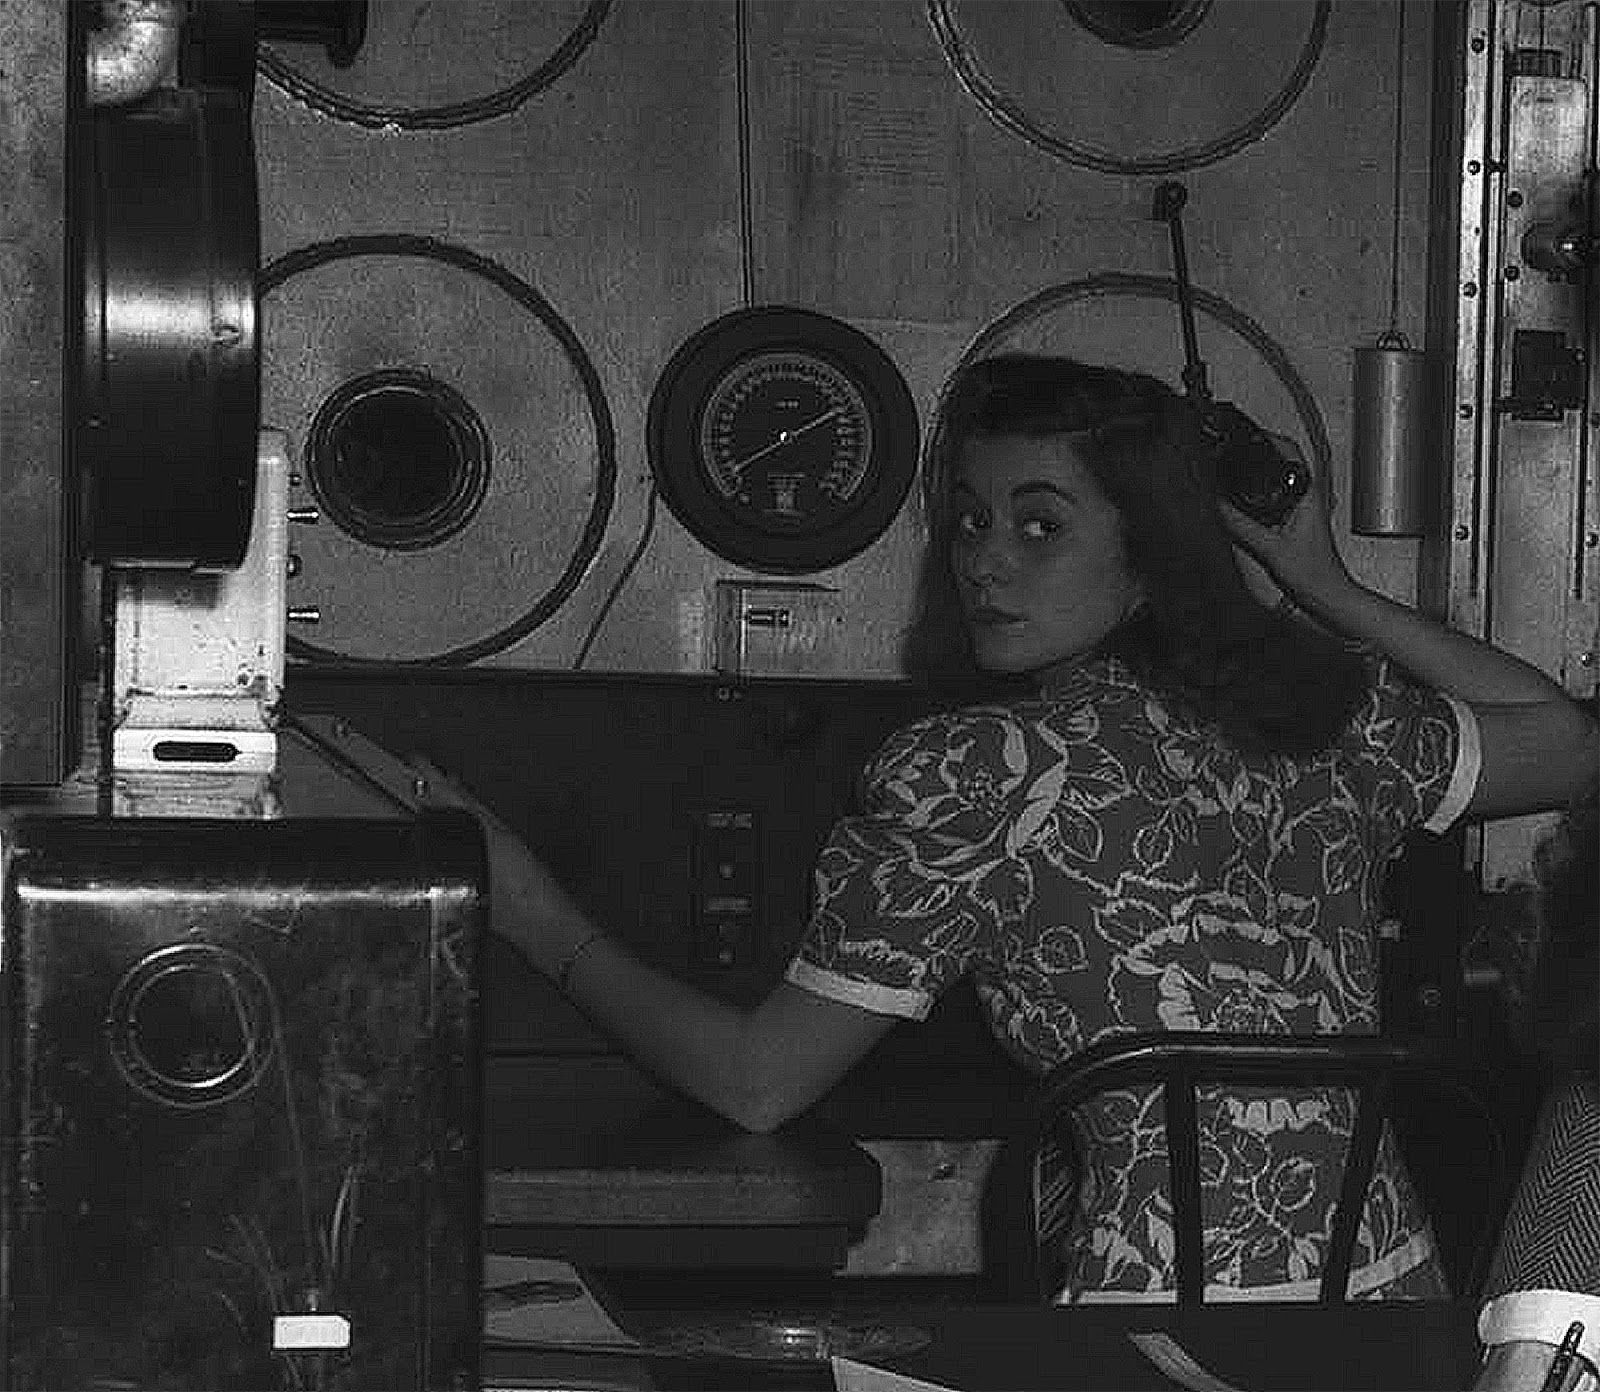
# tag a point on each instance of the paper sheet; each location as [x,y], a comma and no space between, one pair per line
[541,1300]
[851,1376]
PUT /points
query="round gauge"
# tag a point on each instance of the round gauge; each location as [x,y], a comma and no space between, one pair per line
[783,439]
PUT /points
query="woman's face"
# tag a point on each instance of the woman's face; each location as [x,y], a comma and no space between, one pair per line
[1037,553]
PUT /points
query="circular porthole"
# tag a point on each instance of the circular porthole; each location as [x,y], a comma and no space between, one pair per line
[398,459]
[1138,23]
[190,1025]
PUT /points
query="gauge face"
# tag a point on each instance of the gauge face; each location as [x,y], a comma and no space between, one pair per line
[783,439]
[786,439]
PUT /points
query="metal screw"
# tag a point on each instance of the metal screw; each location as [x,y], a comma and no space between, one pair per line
[1470,289]
[1479,43]
[1513,272]
[1464,410]
[1474,167]
[1462,531]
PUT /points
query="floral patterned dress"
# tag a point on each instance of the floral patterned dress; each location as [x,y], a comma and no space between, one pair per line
[1099,863]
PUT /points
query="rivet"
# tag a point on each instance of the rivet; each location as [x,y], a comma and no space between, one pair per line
[1462,531]
[1470,289]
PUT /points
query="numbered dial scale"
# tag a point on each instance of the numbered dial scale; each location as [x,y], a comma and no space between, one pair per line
[785,440]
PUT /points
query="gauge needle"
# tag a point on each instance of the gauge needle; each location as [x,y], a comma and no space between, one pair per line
[784,438]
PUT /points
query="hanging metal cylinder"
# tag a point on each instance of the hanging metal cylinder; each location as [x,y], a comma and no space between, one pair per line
[1388,494]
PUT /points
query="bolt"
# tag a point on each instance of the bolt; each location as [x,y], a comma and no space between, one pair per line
[1513,199]
[1464,410]
[1462,531]
[1474,167]
[1591,540]
[1513,272]
[1479,43]
[1470,289]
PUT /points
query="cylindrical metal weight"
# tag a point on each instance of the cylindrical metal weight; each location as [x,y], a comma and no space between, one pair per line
[1388,494]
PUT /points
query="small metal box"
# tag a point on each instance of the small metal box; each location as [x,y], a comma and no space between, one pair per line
[241,1137]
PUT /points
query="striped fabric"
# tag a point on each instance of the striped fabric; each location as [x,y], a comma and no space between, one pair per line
[1551,1238]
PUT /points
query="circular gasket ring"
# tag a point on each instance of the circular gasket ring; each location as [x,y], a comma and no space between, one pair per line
[1005,111]
[1112,284]
[327,102]
[319,254]
[253,1002]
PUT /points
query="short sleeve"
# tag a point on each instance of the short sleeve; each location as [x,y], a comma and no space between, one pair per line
[908,891]
[1419,753]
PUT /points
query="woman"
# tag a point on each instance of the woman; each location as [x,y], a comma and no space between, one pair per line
[1178,818]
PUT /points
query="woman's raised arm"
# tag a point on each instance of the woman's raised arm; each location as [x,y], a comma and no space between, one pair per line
[1540,748]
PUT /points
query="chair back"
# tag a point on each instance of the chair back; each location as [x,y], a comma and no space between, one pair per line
[1179,1061]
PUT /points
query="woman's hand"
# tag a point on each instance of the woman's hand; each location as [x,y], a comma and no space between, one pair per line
[527,905]
[1299,553]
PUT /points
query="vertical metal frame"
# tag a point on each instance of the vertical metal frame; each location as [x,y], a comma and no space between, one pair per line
[1517,554]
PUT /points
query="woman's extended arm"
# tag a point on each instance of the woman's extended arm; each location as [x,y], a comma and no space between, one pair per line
[757,1067]
[1540,749]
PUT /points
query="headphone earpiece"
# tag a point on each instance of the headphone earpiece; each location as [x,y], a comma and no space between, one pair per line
[1240,462]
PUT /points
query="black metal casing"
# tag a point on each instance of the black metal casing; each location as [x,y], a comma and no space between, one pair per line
[242,1065]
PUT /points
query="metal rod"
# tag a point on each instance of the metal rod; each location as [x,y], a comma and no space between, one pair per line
[1169,200]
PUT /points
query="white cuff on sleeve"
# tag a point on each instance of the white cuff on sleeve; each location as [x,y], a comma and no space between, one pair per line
[1544,1317]
[899,1001]
[1464,776]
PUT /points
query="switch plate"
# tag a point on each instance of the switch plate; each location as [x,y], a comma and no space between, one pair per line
[726,894]
[769,629]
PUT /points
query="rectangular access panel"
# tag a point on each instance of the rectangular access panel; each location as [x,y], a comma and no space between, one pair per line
[241,1134]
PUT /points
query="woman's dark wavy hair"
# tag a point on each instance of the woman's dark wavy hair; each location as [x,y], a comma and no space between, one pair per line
[1201,639]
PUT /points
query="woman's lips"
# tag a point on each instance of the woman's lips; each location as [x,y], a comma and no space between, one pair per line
[987,616]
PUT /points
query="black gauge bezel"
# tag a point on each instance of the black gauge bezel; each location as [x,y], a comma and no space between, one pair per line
[692,377]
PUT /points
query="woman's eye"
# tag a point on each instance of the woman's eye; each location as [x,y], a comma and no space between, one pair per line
[1038,528]
[969,523]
